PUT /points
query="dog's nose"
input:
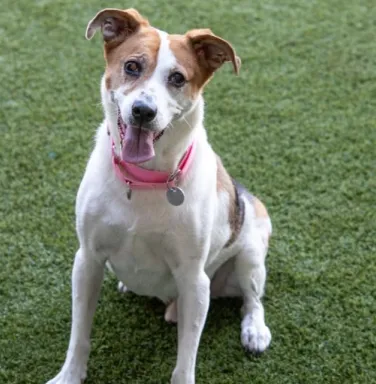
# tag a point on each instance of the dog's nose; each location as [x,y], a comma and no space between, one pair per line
[144,112]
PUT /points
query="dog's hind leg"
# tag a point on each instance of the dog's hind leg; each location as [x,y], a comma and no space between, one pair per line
[251,274]
[244,275]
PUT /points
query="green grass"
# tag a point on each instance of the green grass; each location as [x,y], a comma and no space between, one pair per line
[297,127]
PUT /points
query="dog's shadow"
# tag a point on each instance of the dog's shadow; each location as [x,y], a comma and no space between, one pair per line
[132,343]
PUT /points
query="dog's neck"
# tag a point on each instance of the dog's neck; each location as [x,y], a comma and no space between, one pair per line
[171,147]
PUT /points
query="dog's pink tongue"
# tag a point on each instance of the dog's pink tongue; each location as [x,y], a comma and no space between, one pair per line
[138,145]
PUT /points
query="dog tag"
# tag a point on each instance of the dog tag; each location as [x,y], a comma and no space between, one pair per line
[175,196]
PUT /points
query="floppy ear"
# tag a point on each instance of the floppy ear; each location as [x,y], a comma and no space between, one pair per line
[116,24]
[211,50]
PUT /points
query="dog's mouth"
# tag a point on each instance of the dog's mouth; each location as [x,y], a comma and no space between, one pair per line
[137,144]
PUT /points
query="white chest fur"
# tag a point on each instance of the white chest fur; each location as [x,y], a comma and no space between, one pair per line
[140,265]
[137,236]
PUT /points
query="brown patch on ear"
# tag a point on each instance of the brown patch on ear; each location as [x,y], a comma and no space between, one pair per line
[211,50]
[260,210]
[116,25]
[236,205]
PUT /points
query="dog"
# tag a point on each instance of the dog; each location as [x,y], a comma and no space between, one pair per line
[156,204]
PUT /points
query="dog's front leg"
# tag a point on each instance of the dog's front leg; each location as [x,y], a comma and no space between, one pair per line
[193,303]
[87,278]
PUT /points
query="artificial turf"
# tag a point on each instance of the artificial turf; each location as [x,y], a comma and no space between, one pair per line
[297,127]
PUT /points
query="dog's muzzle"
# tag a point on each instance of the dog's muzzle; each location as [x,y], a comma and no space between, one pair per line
[137,144]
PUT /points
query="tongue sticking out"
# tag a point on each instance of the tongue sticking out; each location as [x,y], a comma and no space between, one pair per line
[137,145]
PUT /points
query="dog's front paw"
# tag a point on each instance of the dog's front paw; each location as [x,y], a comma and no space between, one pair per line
[182,377]
[255,336]
[68,377]
[62,380]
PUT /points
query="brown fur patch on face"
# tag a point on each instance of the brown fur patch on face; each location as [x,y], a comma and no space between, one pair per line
[143,47]
[196,75]
[236,205]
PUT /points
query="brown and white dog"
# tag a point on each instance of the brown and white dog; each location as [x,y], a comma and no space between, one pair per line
[130,209]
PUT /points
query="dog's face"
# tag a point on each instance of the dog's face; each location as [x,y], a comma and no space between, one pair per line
[155,78]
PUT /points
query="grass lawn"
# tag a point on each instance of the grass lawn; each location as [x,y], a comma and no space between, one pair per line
[297,127]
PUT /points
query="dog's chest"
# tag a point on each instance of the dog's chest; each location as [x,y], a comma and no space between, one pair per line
[141,267]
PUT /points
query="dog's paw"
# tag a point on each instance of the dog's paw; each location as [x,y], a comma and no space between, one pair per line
[74,373]
[63,378]
[122,288]
[63,381]
[255,336]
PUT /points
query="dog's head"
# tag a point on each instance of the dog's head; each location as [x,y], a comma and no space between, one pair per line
[153,77]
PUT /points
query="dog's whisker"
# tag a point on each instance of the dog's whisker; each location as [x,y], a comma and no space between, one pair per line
[189,125]
[175,105]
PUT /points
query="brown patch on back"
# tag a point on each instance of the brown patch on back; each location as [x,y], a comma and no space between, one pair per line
[108,81]
[261,213]
[260,209]
[224,182]
[142,46]
[236,205]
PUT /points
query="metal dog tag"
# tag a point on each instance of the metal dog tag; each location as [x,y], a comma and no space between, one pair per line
[175,196]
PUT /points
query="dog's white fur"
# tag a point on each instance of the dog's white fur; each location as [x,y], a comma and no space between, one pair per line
[157,249]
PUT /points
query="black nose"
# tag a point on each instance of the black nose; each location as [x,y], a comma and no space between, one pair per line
[144,112]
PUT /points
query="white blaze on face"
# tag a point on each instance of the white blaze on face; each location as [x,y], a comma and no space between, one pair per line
[158,86]
[166,60]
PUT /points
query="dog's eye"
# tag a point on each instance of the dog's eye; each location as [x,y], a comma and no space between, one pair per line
[132,68]
[177,79]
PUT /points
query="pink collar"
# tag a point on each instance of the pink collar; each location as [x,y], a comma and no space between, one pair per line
[140,178]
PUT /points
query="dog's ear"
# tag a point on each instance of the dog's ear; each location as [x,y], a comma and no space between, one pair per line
[116,24]
[211,50]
